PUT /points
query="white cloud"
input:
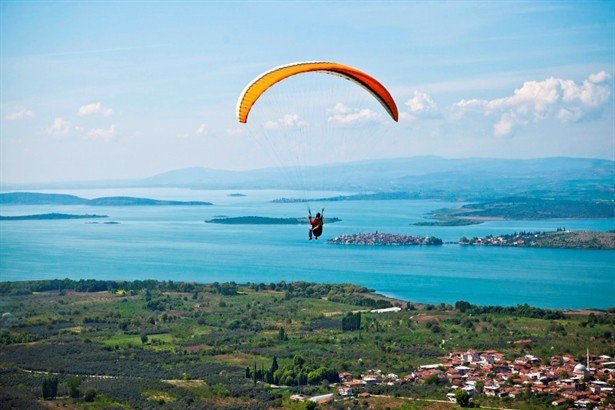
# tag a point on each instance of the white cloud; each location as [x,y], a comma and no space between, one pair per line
[102,133]
[421,105]
[287,121]
[563,100]
[343,115]
[599,77]
[94,108]
[201,130]
[60,126]
[235,130]
[20,115]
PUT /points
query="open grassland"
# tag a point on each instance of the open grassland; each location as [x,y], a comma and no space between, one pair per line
[154,344]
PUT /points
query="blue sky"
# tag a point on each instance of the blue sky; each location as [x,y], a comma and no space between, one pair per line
[113,90]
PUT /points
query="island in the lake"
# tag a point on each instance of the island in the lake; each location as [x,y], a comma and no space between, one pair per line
[35,198]
[555,239]
[384,239]
[236,195]
[263,220]
[51,216]
[378,196]
[449,222]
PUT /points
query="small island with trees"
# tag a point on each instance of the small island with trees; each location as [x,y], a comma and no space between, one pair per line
[384,239]
[561,238]
[35,198]
[50,216]
[263,220]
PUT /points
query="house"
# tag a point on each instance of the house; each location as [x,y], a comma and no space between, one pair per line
[559,402]
[345,391]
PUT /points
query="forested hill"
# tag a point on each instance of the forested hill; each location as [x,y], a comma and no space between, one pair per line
[33,198]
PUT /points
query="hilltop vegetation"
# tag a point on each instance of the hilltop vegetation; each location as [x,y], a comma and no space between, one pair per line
[149,344]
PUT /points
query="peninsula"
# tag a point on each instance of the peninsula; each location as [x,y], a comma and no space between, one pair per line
[522,208]
[263,220]
[379,196]
[384,239]
[35,198]
[557,239]
[51,216]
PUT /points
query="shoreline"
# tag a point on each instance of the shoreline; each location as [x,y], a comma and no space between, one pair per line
[369,293]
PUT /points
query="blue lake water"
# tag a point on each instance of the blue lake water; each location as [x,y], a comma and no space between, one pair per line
[173,243]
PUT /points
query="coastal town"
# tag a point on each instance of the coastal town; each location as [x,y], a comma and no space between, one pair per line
[560,238]
[564,379]
[384,239]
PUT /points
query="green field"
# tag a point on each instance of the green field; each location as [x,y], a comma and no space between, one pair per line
[182,345]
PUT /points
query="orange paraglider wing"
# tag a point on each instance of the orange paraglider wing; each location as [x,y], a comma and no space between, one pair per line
[263,82]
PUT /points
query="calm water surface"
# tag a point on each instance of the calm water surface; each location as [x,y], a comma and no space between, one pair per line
[173,243]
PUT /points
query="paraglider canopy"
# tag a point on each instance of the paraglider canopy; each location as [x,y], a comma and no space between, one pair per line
[264,81]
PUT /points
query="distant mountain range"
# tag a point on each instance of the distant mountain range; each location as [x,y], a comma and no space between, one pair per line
[422,177]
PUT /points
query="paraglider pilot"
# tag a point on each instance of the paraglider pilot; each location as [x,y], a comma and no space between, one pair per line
[316,223]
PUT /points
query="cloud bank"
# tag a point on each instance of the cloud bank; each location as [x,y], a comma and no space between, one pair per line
[535,101]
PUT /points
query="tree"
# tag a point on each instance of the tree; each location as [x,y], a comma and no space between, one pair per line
[143,338]
[462,306]
[433,379]
[90,395]
[463,398]
[282,334]
[247,372]
[310,405]
[298,361]
[50,387]
[352,321]
[72,385]
[274,364]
